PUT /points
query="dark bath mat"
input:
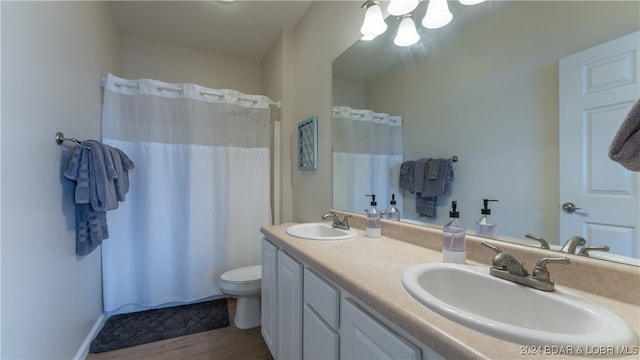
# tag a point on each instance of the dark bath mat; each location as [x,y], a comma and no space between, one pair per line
[125,330]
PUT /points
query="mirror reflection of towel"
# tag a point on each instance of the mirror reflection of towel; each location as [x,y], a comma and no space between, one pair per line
[625,147]
[406,175]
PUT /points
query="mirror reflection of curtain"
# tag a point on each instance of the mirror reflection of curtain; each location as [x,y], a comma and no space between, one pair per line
[367,154]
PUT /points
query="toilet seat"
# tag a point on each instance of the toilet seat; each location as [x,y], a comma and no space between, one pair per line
[243,275]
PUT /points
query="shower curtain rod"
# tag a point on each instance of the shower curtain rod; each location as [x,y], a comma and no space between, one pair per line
[103,81]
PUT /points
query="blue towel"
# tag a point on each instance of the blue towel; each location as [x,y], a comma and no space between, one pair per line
[406,175]
[441,184]
[102,180]
[419,175]
[426,206]
[625,146]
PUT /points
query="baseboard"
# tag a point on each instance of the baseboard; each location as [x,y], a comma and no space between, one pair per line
[84,349]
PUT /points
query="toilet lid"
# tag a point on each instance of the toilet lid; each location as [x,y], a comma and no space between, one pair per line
[243,274]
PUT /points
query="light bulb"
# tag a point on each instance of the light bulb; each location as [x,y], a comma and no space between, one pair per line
[401,7]
[438,14]
[407,34]
[374,24]
[470,2]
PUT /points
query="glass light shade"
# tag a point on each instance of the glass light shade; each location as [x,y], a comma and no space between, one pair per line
[401,7]
[407,34]
[374,24]
[470,2]
[367,37]
[438,14]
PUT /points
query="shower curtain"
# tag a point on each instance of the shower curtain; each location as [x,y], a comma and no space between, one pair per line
[367,154]
[198,195]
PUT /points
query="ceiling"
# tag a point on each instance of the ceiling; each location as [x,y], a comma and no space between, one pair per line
[242,28]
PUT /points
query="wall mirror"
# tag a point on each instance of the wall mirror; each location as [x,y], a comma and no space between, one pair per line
[485,88]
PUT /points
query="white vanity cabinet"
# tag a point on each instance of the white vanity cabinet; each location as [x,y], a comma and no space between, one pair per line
[281,306]
[363,337]
[305,316]
[320,339]
[268,303]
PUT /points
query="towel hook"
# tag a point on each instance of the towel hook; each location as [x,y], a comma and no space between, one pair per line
[60,139]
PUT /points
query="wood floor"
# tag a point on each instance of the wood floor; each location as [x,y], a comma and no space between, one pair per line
[225,343]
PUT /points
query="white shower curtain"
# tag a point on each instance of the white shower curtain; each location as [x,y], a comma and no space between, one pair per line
[198,194]
[367,154]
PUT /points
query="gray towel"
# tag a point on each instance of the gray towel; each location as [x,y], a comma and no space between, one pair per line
[440,185]
[122,165]
[102,187]
[419,174]
[426,206]
[625,147]
[406,175]
[102,179]
[434,166]
[91,229]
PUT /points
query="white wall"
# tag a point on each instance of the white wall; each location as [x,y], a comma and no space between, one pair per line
[175,64]
[327,29]
[53,55]
[492,94]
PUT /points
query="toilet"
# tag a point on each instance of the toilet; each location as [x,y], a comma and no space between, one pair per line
[244,284]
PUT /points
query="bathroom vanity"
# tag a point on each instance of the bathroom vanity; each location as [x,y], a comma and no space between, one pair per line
[344,298]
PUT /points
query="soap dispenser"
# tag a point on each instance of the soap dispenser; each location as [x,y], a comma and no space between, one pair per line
[483,226]
[454,245]
[374,226]
[393,213]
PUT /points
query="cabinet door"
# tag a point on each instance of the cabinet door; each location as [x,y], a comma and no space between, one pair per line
[289,314]
[268,305]
[320,341]
[363,337]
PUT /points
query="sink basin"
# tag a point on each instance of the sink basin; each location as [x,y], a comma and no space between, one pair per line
[470,296]
[320,231]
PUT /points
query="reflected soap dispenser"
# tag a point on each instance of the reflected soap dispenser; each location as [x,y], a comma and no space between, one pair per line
[393,213]
[454,243]
[374,226]
[484,227]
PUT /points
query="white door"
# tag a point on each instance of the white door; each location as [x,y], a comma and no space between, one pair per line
[598,86]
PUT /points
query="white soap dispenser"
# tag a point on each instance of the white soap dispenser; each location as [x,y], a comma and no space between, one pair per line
[393,213]
[454,243]
[374,226]
[484,227]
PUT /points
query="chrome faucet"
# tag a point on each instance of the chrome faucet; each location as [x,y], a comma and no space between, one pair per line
[570,246]
[507,267]
[585,250]
[337,222]
[544,244]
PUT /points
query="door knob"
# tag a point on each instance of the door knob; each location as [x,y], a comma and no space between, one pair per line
[569,207]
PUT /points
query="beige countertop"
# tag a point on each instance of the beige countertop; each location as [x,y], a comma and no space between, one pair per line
[371,268]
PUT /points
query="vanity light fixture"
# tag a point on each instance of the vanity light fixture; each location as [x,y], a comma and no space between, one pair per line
[407,34]
[402,7]
[374,24]
[438,14]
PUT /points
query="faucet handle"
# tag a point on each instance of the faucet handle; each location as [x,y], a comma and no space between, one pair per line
[585,250]
[544,244]
[541,272]
[492,247]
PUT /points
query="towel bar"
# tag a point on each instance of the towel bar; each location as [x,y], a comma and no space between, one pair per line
[60,139]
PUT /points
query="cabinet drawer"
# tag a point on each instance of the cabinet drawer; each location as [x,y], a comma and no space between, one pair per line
[319,341]
[322,297]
